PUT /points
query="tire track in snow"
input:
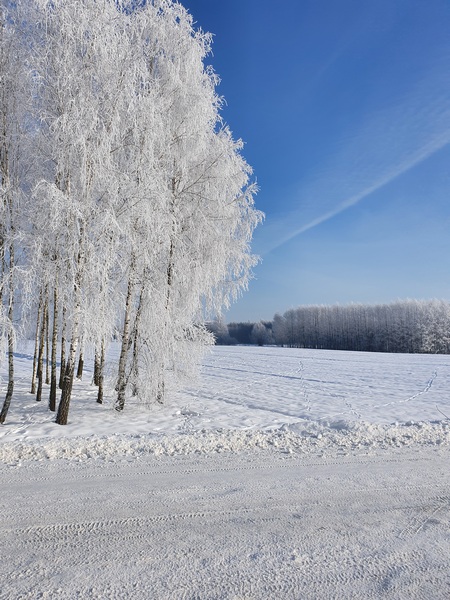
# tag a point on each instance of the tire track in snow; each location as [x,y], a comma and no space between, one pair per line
[285,461]
[425,516]
[317,530]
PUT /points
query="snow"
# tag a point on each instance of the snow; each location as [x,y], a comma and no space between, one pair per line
[283,473]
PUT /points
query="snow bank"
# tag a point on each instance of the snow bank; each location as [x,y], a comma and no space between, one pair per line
[308,438]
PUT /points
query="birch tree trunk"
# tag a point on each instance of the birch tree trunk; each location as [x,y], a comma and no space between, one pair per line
[101,373]
[2,261]
[47,345]
[36,345]
[64,403]
[160,395]
[53,383]
[62,367]
[69,371]
[10,388]
[40,364]
[135,358]
[80,362]
[97,360]
[121,376]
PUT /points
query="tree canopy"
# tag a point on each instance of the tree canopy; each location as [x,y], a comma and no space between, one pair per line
[135,212]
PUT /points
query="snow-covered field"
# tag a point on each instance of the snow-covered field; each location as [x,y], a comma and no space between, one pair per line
[283,473]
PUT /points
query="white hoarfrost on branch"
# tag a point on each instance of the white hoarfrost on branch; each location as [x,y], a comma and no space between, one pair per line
[138,211]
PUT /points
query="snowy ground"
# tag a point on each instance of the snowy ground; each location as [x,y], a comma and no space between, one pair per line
[283,474]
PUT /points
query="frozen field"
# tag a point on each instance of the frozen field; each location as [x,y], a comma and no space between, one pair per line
[282,474]
[249,388]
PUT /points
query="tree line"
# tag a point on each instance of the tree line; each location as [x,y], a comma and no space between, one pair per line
[411,326]
[126,207]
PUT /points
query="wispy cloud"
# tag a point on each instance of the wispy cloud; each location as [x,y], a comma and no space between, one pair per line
[407,165]
[388,144]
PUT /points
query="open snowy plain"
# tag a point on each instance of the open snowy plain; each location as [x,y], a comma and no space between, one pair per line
[283,473]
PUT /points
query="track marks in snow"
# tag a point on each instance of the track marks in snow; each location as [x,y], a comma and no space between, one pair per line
[314,385]
[427,516]
[127,528]
[261,525]
[425,390]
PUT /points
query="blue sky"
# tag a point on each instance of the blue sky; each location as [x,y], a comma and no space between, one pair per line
[344,108]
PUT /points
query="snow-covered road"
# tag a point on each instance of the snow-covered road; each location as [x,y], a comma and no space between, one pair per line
[261,524]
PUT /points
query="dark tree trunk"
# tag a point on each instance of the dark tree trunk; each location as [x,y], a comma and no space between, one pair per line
[40,364]
[10,388]
[53,382]
[36,346]
[135,364]
[80,365]
[121,378]
[66,394]
[97,359]
[69,373]
[101,373]
[47,342]
[62,367]
[64,404]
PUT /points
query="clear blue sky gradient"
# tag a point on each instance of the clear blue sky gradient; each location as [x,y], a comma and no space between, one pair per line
[344,108]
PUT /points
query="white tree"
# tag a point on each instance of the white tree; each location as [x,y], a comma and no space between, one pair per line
[261,335]
[12,171]
[190,214]
[144,209]
[73,103]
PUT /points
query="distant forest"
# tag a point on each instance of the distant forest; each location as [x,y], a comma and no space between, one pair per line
[411,326]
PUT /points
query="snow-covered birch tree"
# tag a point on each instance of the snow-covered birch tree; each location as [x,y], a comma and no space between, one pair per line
[140,209]
[13,101]
[71,66]
[191,193]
